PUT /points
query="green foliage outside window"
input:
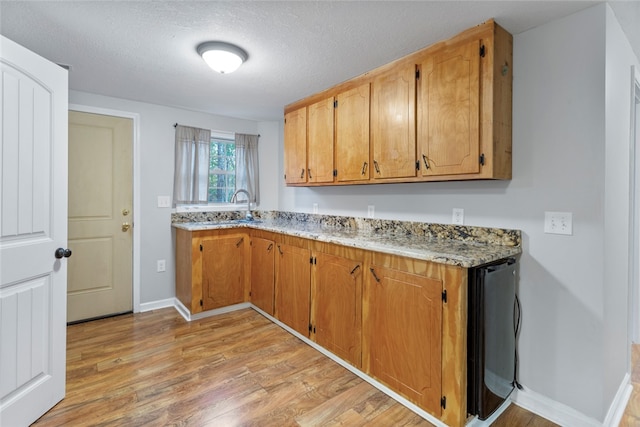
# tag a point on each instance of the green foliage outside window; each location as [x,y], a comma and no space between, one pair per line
[222,170]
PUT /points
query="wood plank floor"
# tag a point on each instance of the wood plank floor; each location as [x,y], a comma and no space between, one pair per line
[631,417]
[235,369]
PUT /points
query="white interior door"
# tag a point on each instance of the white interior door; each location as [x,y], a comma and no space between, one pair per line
[33,224]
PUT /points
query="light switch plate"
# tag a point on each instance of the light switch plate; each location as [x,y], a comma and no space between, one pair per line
[558,223]
[164,201]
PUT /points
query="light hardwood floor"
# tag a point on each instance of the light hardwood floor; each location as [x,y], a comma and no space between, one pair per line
[631,417]
[235,369]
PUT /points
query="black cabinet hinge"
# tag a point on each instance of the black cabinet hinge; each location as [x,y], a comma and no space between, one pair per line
[335,172]
[417,165]
[417,74]
[335,104]
[200,248]
[310,328]
[313,260]
[285,176]
[482,159]
[444,296]
[443,402]
[201,304]
[483,51]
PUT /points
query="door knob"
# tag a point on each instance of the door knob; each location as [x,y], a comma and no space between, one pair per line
[61,252]
[125,226]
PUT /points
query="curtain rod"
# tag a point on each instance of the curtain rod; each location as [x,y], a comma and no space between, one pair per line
[176,125]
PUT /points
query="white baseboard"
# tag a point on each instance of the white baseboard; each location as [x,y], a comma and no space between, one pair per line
[155,305]
[619,404]
[553,411]
[184,312]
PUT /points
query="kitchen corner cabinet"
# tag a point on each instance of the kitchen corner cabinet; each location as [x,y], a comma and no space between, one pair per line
[224,277]
[292,286]
[211,268]
[336,317]
[393,119]
[262,273]
[441,113]
[400,320]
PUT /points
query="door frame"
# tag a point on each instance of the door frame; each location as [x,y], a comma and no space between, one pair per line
[135,117]
[634,244]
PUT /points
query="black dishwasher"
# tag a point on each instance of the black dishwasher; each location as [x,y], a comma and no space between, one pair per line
[493,319]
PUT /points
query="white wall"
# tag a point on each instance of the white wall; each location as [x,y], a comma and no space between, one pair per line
[560,163]
[620,58]
[156,177]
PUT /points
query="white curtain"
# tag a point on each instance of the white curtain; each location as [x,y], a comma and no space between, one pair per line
[191,173]
[247,172]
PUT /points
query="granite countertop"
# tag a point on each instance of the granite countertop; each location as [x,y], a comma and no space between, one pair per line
[463,246]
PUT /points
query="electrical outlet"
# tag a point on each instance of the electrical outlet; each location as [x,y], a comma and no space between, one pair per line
[315,208]
[371,210]
[558,223]
[162,265]
[458,216]
[164,201]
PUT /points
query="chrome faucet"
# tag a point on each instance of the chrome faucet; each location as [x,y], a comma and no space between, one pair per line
[248,215]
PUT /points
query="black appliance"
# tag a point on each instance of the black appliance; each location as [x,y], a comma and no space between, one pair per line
[493,321]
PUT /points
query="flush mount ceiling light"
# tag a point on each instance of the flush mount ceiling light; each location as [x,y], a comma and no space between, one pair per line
[222,57]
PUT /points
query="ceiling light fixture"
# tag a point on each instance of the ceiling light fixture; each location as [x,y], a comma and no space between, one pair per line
[222,57]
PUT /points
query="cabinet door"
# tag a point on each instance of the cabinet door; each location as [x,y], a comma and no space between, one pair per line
[448,111]
[405,334]
[337,306]
[352,134]
[262,273]
[320,141]
[223,271]
[293,276]
[295,146]
[393,132]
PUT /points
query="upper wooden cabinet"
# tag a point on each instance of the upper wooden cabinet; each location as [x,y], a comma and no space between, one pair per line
[352,134]
[320,141]
[295,146]
[393,123]
[442,113]
[449,111]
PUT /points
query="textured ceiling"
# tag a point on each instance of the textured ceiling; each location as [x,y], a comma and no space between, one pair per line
[145,51]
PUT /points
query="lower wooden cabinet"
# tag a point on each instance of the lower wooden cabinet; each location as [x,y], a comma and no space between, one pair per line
[336,318]
[211,268]
[262,273]
[399,320]
[224,274]
[292,300]
[404,333]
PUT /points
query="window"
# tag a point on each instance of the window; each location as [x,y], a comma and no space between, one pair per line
[222,170]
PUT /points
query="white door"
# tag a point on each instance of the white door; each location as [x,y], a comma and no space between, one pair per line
[33,225]
[100,280]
